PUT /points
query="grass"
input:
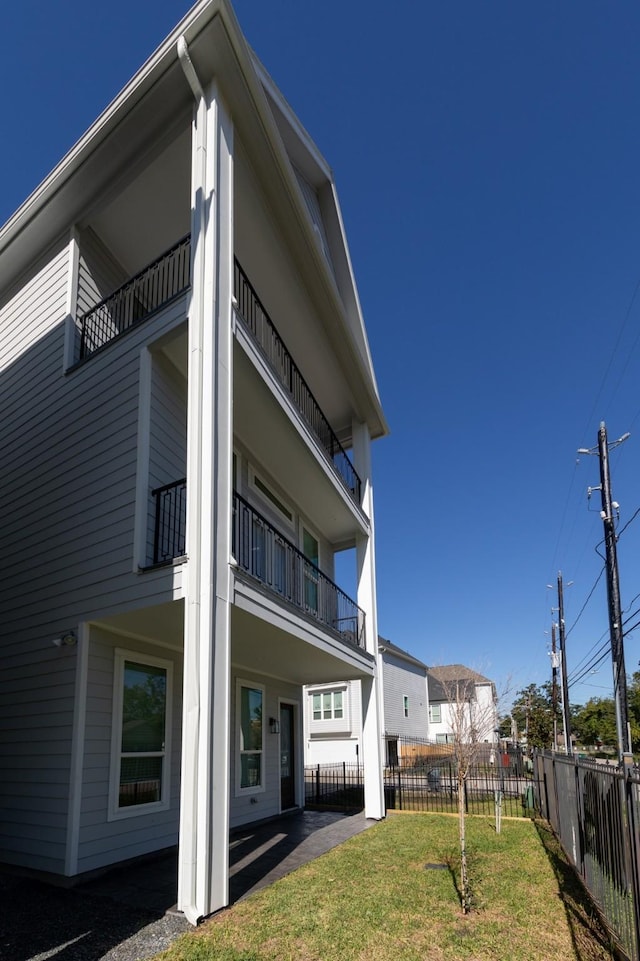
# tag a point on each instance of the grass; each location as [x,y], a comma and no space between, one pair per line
[392,892]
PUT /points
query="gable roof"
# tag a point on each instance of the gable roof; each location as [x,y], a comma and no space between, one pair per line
[145,109]
[385,645]
[440,680]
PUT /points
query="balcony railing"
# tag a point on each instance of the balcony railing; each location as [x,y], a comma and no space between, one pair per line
[272,347]
[262,552]
[169,537]
[136,300]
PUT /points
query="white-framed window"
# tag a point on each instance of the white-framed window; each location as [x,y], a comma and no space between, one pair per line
[311,550]
[266,493]
[327,705]
[140,734]
[250,773]
[405,705]
[435,713]
[444,738]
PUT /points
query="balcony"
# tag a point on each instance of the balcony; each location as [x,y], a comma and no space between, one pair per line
[265,336]
[265,555]
[154,287]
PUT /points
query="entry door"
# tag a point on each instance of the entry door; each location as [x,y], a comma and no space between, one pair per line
[287,757]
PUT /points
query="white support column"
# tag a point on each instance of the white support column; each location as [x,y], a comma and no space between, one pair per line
[371,687]
[204,816]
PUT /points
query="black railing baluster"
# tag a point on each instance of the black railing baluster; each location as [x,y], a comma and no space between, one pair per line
[260,549]
[169,537]
[132,303]
[284,367]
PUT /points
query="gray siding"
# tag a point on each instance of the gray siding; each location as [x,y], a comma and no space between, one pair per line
[267,802]
[401,678]
[102,841]
[68,449]
[168,433]
[99,273]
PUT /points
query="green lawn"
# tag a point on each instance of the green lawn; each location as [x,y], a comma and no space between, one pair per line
[385,896]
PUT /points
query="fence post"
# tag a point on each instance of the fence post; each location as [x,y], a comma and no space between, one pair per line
[399,790]
[318,784]
[632,828]
[344,779]
[466,799]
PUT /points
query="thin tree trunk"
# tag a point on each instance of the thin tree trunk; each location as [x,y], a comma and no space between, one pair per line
[464,876]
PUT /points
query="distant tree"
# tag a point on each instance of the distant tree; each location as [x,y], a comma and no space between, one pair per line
[595,722]
[532,711]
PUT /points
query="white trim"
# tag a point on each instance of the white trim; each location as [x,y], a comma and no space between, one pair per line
[77,751]
[71,302]
[298,754]
[260,789]
[271,501]
[142,465]
[116,813]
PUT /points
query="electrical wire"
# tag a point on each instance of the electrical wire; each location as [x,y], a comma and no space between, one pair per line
[589,596]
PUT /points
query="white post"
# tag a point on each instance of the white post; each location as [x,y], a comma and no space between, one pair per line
[204,816]
[371,687]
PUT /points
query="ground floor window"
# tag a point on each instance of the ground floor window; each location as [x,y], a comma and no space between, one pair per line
[140,734]
[250,728]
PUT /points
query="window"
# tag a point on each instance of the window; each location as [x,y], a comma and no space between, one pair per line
[140,734]
[267,494]
[249,718]
[310,549]
[444,738]
[328,705]
[435,713]
[405,705]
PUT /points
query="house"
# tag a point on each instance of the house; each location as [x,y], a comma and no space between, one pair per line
[461,702]
[188,405]
[333,712]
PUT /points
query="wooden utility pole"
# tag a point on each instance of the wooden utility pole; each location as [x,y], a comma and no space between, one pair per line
[613,595]
[554,686]
[566,716]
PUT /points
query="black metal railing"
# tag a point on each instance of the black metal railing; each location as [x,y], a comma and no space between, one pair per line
[435,789]
[263,331]
[262,552]
[169,537]
[152,288]
[594,809]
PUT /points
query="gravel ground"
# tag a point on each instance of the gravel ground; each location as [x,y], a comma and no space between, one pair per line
[40,921]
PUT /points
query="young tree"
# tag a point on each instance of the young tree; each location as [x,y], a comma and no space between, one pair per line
[473,720]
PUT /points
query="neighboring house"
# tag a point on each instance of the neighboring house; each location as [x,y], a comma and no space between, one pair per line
[333,713]
[453,686]
[188,402]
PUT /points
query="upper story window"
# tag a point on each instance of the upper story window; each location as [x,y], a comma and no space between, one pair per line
[405,705]
[328,705]
[435,713]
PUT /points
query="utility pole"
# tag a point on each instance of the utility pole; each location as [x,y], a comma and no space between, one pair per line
[554,686]
[566,716]
[613,595]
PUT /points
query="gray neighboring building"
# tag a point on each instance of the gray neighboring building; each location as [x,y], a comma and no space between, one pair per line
[333,712]
[447,682]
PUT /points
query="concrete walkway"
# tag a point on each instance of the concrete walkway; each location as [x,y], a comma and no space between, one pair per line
[129,912]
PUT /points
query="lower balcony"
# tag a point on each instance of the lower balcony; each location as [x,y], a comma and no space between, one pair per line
[263,554]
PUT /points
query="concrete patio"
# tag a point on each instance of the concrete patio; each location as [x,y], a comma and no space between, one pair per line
[128,912]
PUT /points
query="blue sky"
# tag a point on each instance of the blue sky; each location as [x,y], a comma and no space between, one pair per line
[487,157]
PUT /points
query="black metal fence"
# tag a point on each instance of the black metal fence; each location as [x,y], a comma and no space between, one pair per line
[153,287]
[283,366]
[431,788]
[170,521]
[594,810]
[262,551]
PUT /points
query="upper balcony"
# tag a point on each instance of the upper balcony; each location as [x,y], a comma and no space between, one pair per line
[265,555]
[156,285]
